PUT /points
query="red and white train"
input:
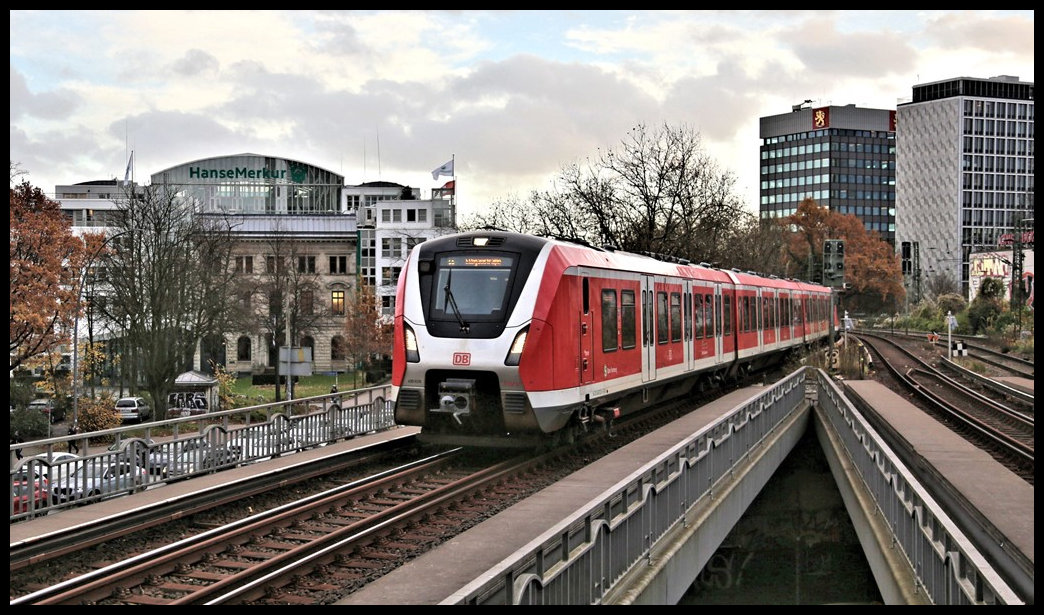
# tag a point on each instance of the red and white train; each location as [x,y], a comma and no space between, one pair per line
[505,339]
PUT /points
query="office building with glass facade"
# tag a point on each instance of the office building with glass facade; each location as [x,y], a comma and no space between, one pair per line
[841,157]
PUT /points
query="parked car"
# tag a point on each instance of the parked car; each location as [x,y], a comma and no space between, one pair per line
[252,445]
[28,494]
[178,457]
[53,411]
[133,409]
[98,480]
[136,450]
[201,458]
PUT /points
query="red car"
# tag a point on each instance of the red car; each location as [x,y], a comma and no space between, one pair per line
[21,492]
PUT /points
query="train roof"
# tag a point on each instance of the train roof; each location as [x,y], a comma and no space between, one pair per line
[576,252]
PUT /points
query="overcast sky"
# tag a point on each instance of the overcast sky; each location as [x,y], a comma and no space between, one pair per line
[513,96]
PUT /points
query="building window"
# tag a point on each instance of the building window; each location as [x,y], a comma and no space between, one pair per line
[245,264]
[338,350]
[243,349]
[390,275]
[306,264]
[412,242]
[391,247]
[338,265]
[337,302]
[307,303]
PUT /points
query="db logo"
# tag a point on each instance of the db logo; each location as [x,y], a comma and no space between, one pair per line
[462,358]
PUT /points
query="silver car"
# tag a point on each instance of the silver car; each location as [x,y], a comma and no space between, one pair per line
[98,480]
[133,409]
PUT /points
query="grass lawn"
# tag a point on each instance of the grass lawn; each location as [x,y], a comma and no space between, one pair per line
[307,386]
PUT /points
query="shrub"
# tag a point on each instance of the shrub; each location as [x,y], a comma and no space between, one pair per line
[97,414]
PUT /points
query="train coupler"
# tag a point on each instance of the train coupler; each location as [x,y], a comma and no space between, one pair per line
[606,415]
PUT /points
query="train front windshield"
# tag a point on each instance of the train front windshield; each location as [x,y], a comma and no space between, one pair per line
[472,287]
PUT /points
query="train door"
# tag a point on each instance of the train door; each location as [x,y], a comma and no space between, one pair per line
[688,340]
[648,334]
[719,350]
[586,333]
[759,320]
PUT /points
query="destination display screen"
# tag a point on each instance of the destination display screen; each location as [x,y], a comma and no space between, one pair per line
[464,261]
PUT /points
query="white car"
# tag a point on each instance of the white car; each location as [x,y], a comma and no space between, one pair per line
[133,409]
[59,464]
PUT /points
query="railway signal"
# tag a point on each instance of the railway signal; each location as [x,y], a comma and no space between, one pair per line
[834,263]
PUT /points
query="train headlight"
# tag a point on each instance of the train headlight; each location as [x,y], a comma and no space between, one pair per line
[516,347]
[412,354]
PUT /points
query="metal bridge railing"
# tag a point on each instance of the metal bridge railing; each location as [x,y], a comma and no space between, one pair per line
[135,457]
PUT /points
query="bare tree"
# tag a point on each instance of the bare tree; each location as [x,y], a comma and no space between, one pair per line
[284,294]
[660,192]
[168,273]
[942,283]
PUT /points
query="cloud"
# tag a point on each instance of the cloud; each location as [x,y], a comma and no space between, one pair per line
[829,54]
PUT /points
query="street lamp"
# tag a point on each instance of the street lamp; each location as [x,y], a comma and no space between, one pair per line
[76,322]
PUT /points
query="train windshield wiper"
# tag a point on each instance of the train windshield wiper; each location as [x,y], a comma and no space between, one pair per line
[464,326]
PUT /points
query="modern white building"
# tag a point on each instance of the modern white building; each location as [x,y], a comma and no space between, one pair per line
[342,235]
[964,178]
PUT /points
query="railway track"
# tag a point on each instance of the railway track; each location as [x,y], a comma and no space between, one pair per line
[318,548]
[978,350]
[1006,432]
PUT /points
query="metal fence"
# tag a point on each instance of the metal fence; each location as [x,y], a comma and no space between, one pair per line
[132,458]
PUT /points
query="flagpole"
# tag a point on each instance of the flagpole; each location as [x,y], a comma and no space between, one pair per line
[453,195]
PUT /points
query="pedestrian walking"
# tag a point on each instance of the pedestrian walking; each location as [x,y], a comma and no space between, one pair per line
[74,446]
[17,439]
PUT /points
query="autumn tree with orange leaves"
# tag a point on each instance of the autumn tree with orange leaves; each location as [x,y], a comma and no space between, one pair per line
[365,335]
[46,263]
[871,265]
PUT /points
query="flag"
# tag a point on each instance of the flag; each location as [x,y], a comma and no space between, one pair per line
[127,174]
[446,169]
[447,188]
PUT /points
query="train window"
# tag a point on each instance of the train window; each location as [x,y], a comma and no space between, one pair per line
[726,312]
[587,296]
[741,314]
[472,286]
[609,326]
[766,308]
[697,312]
[676,323]
[627,322]
[661,318]
[708,318]
[717,315]
[646,317]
